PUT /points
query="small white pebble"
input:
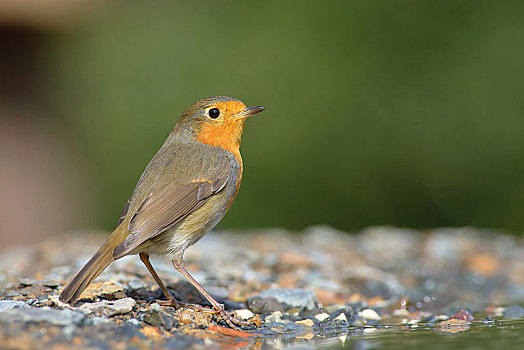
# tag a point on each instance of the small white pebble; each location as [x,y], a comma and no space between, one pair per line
[341,317]
[424,314]
[275,316]
[244,314]
[133,321]
[442,317]
[499,311]
[322,316]
[369,314]
[400,312]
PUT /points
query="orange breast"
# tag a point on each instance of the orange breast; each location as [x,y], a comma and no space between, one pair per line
[226,135]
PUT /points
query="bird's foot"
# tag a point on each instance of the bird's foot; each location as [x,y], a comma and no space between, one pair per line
[181,305]
[234,322]
[229,318]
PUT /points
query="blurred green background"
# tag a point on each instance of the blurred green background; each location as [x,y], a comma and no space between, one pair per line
[407,113]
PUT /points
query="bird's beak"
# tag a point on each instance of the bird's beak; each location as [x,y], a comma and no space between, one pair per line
[248,112]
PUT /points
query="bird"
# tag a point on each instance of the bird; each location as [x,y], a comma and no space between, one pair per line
[185,190]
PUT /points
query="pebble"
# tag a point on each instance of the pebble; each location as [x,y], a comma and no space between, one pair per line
[135,284]
[322,316]
[454,325]
[275,317]
[488,321]
[134,322]
[341,318]
[369,314]
[291,298]
[261,305]
[243,314]
[110,308]
[157,317]
[346,310]
[189,316]
[496,311]
[26,282]
[306,323]
[401,312]
[45,314]
[463,315]
[11,304]
[186,291]
[335,307]
[97,289]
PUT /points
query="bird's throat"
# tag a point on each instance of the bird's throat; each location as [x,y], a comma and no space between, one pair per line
[226,135]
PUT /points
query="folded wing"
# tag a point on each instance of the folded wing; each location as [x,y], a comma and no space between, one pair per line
[166,206]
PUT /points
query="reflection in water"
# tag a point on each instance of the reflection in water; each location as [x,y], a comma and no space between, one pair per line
[506,334]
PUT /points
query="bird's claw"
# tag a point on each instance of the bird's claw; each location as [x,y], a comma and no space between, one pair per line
[180,305]
[234,322]
[229,318]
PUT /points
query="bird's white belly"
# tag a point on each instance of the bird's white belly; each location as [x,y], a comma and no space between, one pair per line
[186,233]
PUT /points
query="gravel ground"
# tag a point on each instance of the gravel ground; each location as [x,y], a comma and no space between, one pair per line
[320,286]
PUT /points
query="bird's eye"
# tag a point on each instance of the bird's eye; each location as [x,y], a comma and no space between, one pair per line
[213,113]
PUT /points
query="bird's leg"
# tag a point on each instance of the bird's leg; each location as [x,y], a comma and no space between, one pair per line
[229,319]
[171,301]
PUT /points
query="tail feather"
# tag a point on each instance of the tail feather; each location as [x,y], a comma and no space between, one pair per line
[94,267]
[89,272]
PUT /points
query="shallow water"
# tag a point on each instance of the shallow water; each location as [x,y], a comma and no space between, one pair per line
[502,334]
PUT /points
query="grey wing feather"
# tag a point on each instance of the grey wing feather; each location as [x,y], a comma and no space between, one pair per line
[164,207]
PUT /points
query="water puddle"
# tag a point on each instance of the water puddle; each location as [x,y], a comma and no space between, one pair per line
[499,334]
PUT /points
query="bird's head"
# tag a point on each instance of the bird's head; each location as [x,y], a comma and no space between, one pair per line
[216,121]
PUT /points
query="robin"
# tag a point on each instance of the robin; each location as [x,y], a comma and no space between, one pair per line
[185,190]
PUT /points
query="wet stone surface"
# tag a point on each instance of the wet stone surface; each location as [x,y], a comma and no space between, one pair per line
[320,287]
